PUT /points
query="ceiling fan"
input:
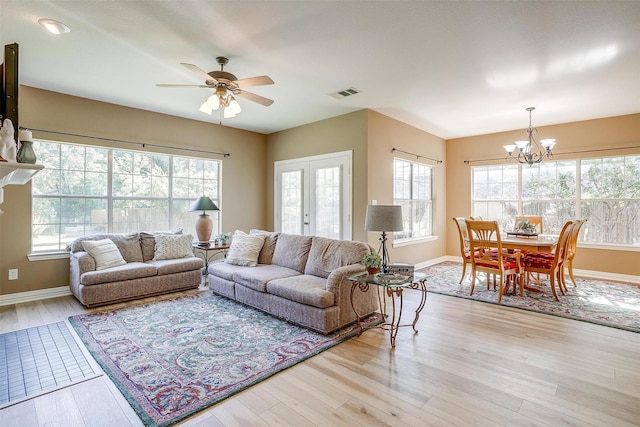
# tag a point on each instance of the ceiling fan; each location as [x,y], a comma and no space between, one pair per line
[226,85]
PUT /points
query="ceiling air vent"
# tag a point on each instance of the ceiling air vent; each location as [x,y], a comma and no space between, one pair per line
[344,93]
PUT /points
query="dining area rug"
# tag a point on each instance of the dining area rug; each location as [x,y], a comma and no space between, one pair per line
[174,357]
[605,303]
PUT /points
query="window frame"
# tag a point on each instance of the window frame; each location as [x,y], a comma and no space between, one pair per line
[172,217]
[398,238]
[578,200]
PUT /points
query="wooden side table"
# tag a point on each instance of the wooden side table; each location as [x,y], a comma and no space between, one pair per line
[207,252]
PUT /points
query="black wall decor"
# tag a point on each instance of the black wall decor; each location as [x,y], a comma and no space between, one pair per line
[9,103]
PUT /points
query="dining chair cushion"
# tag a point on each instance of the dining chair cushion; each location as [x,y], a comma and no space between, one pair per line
[542,260]
[507,264]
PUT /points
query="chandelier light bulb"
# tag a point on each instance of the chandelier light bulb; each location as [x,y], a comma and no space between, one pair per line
[213,102]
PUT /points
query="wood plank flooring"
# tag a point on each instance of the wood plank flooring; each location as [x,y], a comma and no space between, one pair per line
[471,364]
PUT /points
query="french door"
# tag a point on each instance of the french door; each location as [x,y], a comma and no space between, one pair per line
[313,196]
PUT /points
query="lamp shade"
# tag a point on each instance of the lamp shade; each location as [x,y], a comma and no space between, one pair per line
[383,218]
[203,204]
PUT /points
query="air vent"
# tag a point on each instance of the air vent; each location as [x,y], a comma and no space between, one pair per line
[344,93]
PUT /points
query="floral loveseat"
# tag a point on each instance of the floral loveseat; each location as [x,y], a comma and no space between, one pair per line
[302,279]
[110,268]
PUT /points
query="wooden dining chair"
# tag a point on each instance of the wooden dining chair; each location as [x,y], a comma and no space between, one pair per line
[549,263]
[572,245]
[489,257]
[464,245]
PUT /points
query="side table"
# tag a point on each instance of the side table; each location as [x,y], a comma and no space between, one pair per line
[392,287]
[207,252]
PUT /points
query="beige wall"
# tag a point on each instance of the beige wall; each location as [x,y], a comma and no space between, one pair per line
[243,196]
[385,134]
[573,139]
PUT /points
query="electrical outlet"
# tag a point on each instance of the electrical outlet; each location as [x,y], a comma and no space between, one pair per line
[13,274]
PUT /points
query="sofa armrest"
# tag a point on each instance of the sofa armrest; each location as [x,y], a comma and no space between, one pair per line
[338,276]
[79,263]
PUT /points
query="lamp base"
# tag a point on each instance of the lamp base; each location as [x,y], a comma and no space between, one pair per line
[204,227]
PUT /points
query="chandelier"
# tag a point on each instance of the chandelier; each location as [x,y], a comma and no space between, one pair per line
[530,151]
[220,98]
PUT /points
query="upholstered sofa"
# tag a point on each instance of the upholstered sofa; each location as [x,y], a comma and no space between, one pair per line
[142,265]
[302,279]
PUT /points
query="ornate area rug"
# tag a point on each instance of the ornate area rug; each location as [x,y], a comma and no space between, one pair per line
[605,303]
[175,357]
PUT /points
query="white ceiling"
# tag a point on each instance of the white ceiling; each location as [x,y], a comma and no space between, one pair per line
[451,68]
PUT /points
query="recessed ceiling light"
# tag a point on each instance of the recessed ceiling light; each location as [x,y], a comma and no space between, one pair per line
[53,26]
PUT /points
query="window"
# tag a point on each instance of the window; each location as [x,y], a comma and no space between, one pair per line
[606,191]
[412,191]
[87,189]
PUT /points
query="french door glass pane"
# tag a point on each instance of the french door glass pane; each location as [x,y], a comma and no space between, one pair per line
[292,202]
[328,209]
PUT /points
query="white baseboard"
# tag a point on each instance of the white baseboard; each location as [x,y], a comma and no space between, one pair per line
[29,296]
[22,297]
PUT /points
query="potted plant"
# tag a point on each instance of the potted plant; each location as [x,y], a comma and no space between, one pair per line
[224,238]
[372,262]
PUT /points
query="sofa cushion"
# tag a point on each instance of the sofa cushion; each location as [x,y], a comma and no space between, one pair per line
[128,271]
[128,244]
[104,252]
[244,249]
[305,289]
[148,242]
[328,254]
[177,265]
[256,278]
[292,251]
[222,269]
[172,246]
[269,245]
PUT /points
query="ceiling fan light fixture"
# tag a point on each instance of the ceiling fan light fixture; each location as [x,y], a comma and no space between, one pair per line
[234,106]
[53,26]
[205,108]
[228,113]
[213,102]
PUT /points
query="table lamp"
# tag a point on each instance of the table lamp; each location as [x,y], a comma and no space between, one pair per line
[384,218]
[204,225]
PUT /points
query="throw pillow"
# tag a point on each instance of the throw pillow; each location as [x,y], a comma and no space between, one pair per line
[244,249]
[104,252]
[173,246]
[148,243]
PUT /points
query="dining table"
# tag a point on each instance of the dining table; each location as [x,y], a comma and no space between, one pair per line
[537,243]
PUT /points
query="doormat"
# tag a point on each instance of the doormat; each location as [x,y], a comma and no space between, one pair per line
[40,360]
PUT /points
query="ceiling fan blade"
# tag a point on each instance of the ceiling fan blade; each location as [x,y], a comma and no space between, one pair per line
[195,69]
[172,85]
[253,97]
[254,81]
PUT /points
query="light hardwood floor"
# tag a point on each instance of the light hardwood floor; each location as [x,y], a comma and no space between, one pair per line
[472,364]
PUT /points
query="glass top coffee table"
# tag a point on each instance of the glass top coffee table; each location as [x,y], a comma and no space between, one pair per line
[391,286]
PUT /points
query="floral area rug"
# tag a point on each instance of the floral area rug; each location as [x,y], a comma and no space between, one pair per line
[605,303]
[175,357]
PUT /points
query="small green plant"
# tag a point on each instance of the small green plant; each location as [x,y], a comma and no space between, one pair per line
[371,260]
[224,238]
[526,227]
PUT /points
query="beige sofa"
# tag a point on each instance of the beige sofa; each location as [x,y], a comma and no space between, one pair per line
[302,279]
[141,276]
